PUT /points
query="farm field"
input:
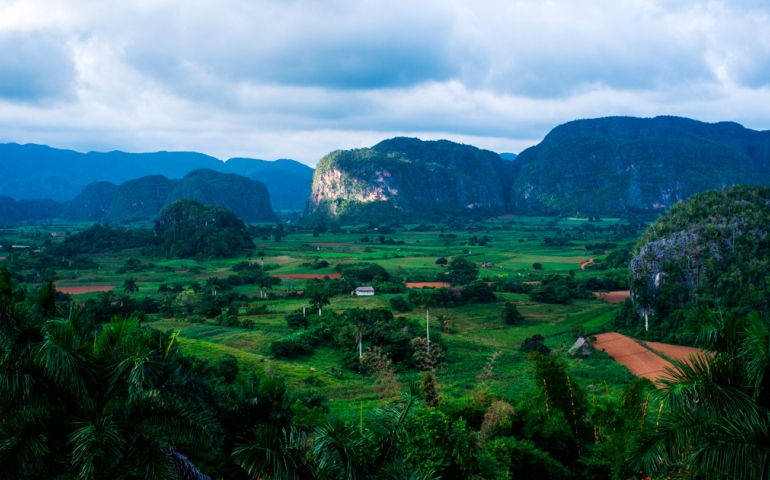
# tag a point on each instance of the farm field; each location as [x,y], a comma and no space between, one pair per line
[512,248]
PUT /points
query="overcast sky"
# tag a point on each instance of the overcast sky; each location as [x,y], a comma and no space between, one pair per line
[297,79]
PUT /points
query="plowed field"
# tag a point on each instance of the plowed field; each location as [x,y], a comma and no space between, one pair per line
[84,289]
[427,285]
[309,275]
[613,297]
[640,361]
[674,352]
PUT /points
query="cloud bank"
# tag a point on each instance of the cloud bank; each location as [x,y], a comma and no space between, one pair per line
[298,78]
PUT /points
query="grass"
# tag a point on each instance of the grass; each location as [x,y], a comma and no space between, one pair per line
[479,332]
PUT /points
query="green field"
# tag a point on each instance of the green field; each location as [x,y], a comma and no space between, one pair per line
[513,246]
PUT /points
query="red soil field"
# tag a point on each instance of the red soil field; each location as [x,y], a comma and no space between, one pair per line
[84,289]
[613,297]
[583,265]
[427,284]
[309,275]
[2,258]
[640,361]
[674,352]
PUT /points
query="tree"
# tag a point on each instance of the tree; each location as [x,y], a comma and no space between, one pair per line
[319,295]
[462,271]
[537,266]
[441,261]
[106,406]
[130,286]
[267,282]
[714,419]
[511,314]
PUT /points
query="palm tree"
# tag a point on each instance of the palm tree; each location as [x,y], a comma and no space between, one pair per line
[130,286]
[714,418]
[88,406]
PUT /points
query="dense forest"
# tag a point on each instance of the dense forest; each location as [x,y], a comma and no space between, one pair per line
[618,165]
[407,178]
[711,251]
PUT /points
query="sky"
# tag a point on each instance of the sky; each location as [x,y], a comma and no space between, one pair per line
[299,78]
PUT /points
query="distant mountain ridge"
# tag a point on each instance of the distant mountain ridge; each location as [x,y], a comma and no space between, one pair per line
[143,199]
[38,171]
[408,178]
[614,165]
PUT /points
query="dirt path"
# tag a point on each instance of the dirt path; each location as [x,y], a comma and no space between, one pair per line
[639,360]
[583,265]
[309,275]
[619,296]
[427,285]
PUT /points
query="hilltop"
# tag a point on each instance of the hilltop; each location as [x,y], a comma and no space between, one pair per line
[407,178]
[39,171]
[712,251]
[615,165]
[187,229]
[144,198]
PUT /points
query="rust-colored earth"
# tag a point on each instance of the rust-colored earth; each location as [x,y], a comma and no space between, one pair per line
[639,360]
[84,289]
[674,352]
[427,285]
[2,258]
[583,265]
[613,297]
[309,275]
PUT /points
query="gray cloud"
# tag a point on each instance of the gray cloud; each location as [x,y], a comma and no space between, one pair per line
[35,67]
[298,78]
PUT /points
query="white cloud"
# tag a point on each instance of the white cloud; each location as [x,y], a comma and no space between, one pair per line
[299,78]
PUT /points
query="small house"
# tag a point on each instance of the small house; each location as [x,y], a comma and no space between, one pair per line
[581,347]
[486,264]
[363,291]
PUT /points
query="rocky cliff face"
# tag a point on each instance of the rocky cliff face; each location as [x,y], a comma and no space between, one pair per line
[409,178]
[613,165]
[714,245]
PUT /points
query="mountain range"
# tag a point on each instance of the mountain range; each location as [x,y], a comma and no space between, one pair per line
[142,199]
[614,165]
[38,171]
[609,166]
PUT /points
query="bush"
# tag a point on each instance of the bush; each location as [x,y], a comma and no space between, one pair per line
[535,344]
[479,292]
[228,368]
[399,304]
[511,314]
[291,346]
[537,266]
[441,261]
[296,320]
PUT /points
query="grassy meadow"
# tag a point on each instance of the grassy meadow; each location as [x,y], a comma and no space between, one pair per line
[514,244]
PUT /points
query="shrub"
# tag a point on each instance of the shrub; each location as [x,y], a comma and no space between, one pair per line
[537,266]
[535,344]
[511,314]
[399,304]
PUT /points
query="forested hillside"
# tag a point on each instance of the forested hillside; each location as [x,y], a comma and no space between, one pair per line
[615,165]
[407,178]
[711,251]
